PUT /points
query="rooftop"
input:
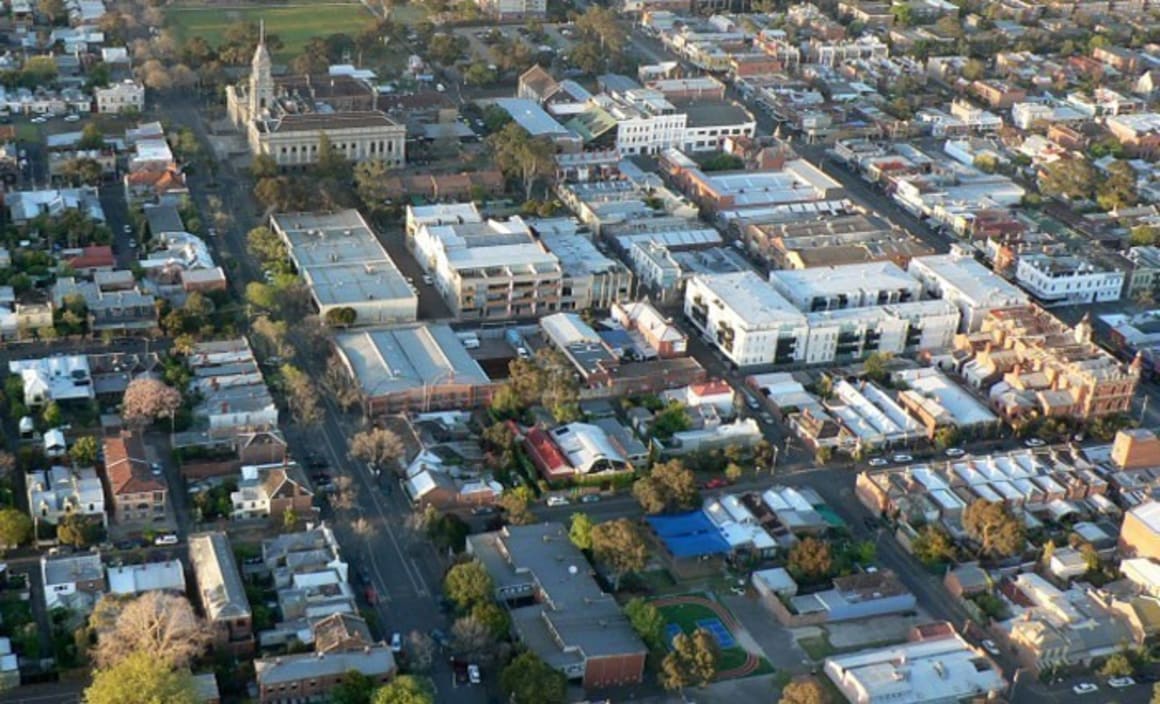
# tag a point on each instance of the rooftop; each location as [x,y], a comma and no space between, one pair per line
[532,117]
[404,358]
[752,298]
[223,596]
[969,278]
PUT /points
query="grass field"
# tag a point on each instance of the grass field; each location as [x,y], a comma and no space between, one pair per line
[294,24]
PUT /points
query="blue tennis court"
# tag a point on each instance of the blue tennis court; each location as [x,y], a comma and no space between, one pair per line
[719,632]
[672,630]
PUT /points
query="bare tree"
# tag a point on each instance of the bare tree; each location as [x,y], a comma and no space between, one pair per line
[420,651]
[146,399]
[301,396]
[155,622]
[345,496]
[472,639]
[340,385]
[379,447]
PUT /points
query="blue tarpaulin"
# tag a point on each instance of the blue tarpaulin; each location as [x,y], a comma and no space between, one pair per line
[689,534]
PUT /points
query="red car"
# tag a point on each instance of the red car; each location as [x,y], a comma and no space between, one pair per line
[716,483]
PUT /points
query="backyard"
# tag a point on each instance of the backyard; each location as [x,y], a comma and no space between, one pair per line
[295,25]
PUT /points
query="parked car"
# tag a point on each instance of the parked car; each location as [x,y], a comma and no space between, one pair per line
[737,589]
[955,452]
[558,501]
[72,118]
[396,642]
[590,498]
[1121,682]
[156,468]
[990,647]
[166,539]
[716,483]
[878,462]
[483,511]
[1084,688]
[902,458]
[127,228]
[473,674]
[1034,442]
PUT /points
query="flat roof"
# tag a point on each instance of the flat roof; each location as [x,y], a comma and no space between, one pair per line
[969,278]
[358,283]
[404,358]
[751,298]
[963,408]
[842,279]
[715,114]
[533,118]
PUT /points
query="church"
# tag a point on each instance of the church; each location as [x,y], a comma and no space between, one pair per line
[285,117]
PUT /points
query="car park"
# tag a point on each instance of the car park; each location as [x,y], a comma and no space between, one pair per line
[1084,688]
[1120,682]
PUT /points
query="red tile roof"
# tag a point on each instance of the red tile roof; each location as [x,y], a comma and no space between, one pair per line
[94,257]
[126,466]
[546,456]
[712,387]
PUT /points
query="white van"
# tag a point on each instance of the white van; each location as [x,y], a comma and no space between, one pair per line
[558,501]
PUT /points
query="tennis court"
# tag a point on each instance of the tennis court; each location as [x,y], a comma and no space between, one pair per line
[672,630]
[718,631]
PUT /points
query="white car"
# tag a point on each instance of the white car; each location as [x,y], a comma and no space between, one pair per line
[558,501]
[1034,442]
[38,120]
[165,539]
[902,458]
[396,642]
[72,118]
[955,452]
[127,229]
[878,462]
[473,674]
[1121,682]
[990,647]
[1084,688]
[427,279]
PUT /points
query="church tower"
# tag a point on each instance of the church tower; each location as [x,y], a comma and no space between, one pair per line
[261,81]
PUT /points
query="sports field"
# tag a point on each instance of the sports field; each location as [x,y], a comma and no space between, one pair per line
[294,24]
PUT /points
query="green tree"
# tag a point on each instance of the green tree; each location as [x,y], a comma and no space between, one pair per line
[991,524]
[1156,693]
[647,621]
[15,528]
[85,451]
[516,504]
[371,183]
[693,661]
[468,584]
[52,415]
[523,157]
[52,10]
[263,166]
[933,545]
[405,689]
[331,164]
[669,486]
[494,617]
[1117,665]
[479,74]
[810,559]
[355,688]
[804,690]
[620,545]
[1118,188]
[580,531]
[733,471]
[265,245]
[875,367]
[974,69]
[673,419]
[341,317]
[1069,178]
[79,531]
[142,678]
[91,137]
[529,680]
[1091,557]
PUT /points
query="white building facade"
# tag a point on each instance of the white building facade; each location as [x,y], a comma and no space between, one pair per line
[127,96]
[1067,280]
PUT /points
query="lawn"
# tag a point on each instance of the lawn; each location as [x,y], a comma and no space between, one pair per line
[687,615]
[294,24]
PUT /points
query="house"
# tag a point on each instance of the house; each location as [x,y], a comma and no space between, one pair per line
[73,582]
[137,493]
[715,392]
[659,332]
[222,593]
[271,491]
[301,677]
[48,379]
[126,96]
[133,580]
[64,491]
[571,625]
[1067,563]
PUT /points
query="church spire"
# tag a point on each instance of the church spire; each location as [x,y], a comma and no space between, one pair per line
[261,78]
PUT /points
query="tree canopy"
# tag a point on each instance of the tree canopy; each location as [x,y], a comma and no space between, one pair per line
[669,486]
[992,525]
[804,690]
[468,584]
[692,661]
[810,559]
[620,545]
[405,689]
[529,680]
[142,678]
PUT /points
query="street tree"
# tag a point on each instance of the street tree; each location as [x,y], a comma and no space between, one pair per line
[580,531]
[142,678]
[301,396]
[804,690]
[810,559]
[371,183]
[647,621]
[516,504]
[420,651]
[692,661]
[523,157]
[265,245]
[1117,665]
[146,399]
[405,689]
[669,486]
[992,525]
[161,624]
[468,584]
[733,471]
[493,617]
[378,447]
[471,639]
[620,545]
[15,528]
[933,545]
[529,680]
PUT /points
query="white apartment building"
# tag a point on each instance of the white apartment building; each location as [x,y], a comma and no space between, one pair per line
[513,9]
[490,269]
[1067,279]
[646,122]
[1026,116]
[845,286]
[753,324]
[959,279]
[127,95]
[831,54]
